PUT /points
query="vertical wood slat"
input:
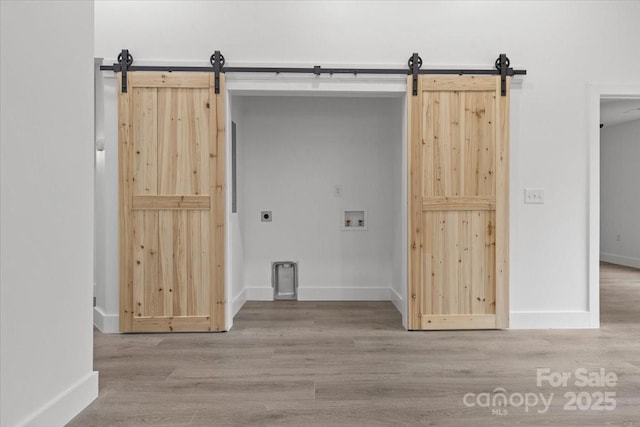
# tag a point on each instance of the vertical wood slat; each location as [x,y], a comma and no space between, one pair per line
[486,127]
[217,221]
[478,267]
[179,291]
[138,264]
[205,139]
[213,170]
[125,202]
[193,264]
[502,207]
[452,240]
[152,302]
[427,102]
[438,235]
[199,146]
[167,134]
[145,141]
[456,163]
[464,263]
[490,263]
[166,257]
[206,289]
[144,145]
[471,151]
[414,152]
[168,158]
[198,291]
[427,300]
[181,176]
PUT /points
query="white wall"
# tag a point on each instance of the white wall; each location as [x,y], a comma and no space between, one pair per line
[294,151]
[549,110]
[235,233]
[399,228]
[620,194]
[106,311]
[46,250]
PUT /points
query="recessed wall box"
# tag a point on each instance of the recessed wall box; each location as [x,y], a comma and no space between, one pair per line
[284,280]
[354,220]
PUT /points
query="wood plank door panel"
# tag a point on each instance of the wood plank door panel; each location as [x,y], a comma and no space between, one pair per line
[171,203]
[458,204]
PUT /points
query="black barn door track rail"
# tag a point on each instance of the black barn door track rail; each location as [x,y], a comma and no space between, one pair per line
[502,69]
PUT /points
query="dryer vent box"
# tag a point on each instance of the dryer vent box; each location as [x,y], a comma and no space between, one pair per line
[284,279]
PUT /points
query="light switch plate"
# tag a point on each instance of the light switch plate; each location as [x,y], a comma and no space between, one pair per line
[534,195]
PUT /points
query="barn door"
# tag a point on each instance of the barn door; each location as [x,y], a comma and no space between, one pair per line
[458,205]
[171,161]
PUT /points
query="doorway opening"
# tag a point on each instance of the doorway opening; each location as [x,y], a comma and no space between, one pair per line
[318,180]
[619,209]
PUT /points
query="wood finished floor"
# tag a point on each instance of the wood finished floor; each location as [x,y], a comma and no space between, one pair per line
[352,364]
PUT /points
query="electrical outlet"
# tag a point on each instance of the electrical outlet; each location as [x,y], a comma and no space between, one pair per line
[534,195]
[337,190]
[617,237]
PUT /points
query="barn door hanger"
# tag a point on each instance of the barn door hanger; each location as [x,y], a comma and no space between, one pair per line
[415,63]
[125,60]
[502,69]
[217,60]
[502,64]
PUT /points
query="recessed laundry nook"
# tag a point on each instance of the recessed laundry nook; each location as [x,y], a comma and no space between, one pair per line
[328,169]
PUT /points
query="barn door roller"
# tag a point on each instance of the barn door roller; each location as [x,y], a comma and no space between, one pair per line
[217,60]
[415,63]
[502,69]
[124,61]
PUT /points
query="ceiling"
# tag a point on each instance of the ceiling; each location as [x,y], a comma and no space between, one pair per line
[616,111]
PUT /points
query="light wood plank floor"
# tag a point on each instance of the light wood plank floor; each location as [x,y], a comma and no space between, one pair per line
[349,364]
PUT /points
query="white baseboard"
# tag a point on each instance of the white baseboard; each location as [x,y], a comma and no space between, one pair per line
[550,320]
[325,294]
[238,302]
[61,409]
[344,294]
[518,320]
[106,323]
[620,260]
[259,294]
[396,299]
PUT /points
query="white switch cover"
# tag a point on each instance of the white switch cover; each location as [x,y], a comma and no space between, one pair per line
[337,190]
[534,195]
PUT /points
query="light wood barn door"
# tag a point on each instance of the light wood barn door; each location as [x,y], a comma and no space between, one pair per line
[459,203]
[171,162]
